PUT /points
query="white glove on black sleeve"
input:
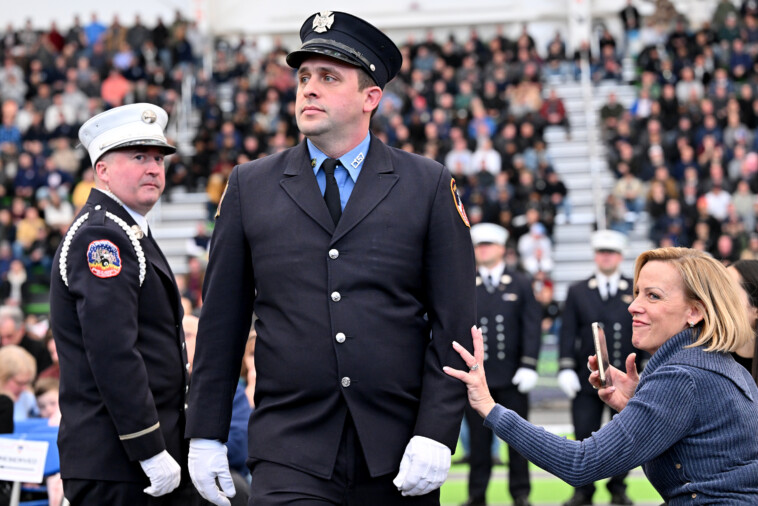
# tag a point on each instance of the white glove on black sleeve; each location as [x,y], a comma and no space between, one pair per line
[525,379]
[164,473]
[569,383]
[424,466]
[207,461]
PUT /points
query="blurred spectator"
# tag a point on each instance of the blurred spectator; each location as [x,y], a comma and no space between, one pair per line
[82,189]
[630,17]
[115,88]
[17,372]
[46,392]
[629,189]
[59,213]
[670,228]
[744,202]
[535,250]
[199,244]
[28,230]
[717,201]
[551,310]
[459,158]
[554,192]
[13,332]
[94,30]
[485,158]
[688,89]
[553,112]
[616,214]
[14,286]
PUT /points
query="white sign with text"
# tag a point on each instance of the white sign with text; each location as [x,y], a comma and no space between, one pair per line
[22,460]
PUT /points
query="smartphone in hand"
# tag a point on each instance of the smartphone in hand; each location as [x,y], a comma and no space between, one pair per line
[601,352]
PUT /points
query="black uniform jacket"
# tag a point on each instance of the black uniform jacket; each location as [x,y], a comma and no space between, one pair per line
[583,306]
[120,346]
[510,318]
[360,316]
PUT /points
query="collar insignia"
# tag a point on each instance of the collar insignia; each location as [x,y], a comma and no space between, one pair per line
[358,159]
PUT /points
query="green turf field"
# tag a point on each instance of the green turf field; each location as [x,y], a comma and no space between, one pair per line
[546,488]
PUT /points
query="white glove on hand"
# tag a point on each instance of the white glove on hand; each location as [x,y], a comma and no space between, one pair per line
[164,473]
[569,383]
[207,461]
[424,466]
[525,379]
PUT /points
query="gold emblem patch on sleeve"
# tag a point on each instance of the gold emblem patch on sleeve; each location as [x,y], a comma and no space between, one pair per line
[458,203]
[220,201]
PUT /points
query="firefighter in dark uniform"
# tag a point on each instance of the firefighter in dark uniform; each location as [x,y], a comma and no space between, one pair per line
[357,261]
[116,319]
[602,298]
[510,319]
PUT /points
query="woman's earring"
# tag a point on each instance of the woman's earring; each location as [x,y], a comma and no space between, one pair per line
[692,324]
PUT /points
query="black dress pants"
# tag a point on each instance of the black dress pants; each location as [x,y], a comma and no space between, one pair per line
[481,443]
[587,413]
[117,493]
[350,485]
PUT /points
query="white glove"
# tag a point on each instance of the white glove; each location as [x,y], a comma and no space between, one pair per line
[424,466]
[569,383]
[525,379]
[164,473]
[207,461]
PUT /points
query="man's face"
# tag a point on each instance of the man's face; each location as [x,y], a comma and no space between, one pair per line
[135,175]
[488,254]
[329,104]
[607,261]
[9,334]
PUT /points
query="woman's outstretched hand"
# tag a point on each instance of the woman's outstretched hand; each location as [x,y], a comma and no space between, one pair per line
[476,383]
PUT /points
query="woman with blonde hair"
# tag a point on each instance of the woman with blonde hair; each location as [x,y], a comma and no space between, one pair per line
[689,419]
[17,370]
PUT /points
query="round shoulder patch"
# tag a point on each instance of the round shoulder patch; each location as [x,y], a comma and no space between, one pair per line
[104,259]
[458,203]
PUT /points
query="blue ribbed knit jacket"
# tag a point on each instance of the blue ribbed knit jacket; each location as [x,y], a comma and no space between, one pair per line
[692,424]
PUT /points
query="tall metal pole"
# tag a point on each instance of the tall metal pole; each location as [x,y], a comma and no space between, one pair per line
[592,139]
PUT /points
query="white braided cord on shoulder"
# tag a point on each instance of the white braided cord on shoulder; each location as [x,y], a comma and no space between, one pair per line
[67,244]
[121,223]
[135,242]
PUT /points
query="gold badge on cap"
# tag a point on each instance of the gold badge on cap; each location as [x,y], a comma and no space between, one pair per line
[323,21]
[149,116]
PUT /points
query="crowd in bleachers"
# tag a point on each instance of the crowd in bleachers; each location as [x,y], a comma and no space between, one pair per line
[476,105]
[685,151]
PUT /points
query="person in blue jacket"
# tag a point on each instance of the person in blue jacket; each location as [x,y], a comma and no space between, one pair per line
[689,419]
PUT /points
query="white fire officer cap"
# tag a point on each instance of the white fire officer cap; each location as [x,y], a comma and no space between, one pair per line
[608,240]
[488,233]
[128,125]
